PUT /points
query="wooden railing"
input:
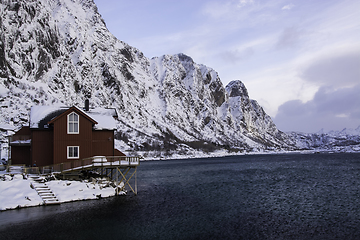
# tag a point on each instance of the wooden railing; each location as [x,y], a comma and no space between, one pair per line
[97,161]
[92,162]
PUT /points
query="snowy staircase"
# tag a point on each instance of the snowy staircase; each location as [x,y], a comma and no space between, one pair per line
[44,191]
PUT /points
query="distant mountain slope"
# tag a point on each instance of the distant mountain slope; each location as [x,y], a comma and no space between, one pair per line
[347,140]
[60,53]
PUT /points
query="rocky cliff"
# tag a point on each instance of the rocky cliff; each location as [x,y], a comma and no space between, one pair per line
[60,53]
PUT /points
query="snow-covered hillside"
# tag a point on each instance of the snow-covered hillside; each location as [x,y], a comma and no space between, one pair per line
[346,140]
[60,53]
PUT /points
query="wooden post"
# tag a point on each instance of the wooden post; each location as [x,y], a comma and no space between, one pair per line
[118,183]
[62,169]
[127,180]
[135,181]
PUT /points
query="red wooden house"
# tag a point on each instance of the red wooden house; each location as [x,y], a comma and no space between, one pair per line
[61,134]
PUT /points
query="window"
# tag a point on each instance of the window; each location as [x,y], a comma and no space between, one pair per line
[73,152]
[73,123]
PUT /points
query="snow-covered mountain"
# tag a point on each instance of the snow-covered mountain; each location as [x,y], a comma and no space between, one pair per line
[60,52]
[346,140]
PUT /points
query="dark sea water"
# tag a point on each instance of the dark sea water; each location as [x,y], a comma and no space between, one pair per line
[289,196]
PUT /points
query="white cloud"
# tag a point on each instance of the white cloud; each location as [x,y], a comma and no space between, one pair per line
[217,10]
[243,3]
[289,38]
[339,70]
[288,7]
[234,56]
[330,109]
[245,11]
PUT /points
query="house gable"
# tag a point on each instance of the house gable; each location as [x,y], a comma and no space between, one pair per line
[43,117]
[64,142]
[69,111]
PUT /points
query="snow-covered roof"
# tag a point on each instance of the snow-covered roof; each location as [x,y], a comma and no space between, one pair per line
[41,115]
[38,115]
[4,126]
[103,117]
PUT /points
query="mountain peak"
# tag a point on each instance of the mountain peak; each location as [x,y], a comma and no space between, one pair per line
[236,88]
[185,58]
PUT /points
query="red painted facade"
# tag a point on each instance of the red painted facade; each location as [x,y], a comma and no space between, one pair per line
[50,145]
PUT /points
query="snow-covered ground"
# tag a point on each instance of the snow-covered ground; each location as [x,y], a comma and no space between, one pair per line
[16,192]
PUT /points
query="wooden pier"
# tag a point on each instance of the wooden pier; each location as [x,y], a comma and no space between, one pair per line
[120,169]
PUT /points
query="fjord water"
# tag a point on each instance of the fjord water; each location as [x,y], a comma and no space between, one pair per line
[289,196]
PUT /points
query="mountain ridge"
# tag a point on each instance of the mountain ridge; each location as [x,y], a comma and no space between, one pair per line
[61,53]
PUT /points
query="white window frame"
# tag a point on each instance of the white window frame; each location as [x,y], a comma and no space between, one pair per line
[73,157]
[73,123]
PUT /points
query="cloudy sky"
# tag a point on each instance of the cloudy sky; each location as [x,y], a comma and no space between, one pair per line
[299,59]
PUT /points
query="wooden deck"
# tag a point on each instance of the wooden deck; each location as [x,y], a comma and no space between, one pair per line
[119,169]
[92,163]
